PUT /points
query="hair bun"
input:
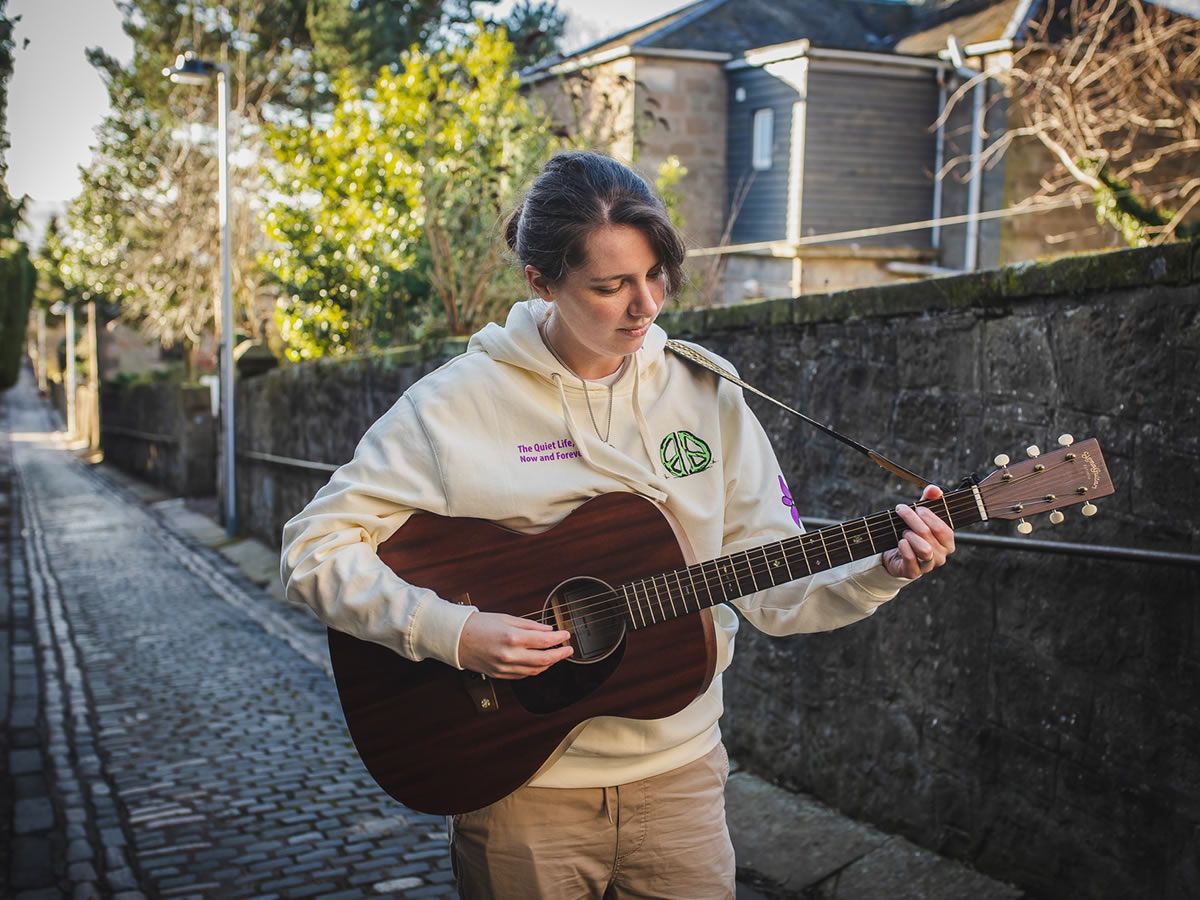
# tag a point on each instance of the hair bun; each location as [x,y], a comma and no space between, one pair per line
[513,226]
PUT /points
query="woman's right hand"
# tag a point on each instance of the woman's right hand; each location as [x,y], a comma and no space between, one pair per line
[501,646]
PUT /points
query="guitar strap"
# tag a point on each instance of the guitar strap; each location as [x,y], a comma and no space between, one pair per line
[879,459]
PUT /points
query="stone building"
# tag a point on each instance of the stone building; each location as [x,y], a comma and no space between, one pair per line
[802,119]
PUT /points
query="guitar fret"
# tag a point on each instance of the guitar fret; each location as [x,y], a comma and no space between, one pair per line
[791,577]
[641,606]
[625,594]
[804,554]
[767,560]
[695,595]
[825,547]
[712,601]
[946,506]
[892,519]
[661,608]
[867,525]
[750,566]
[809,560]
[721,580]
[671,596]
[846,538]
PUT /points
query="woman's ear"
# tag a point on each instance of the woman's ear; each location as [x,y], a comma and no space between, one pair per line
[538,284]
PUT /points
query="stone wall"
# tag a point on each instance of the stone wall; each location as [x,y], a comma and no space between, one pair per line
[314,413]
[1034,714]
[164,433]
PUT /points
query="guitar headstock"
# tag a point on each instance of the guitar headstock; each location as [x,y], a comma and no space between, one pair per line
[1073,474]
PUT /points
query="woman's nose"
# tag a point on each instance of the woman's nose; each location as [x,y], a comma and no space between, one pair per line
[644,302]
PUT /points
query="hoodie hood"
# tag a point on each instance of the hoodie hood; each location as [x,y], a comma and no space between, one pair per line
[519,343]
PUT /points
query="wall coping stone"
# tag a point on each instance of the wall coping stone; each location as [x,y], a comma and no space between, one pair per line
[1175,264]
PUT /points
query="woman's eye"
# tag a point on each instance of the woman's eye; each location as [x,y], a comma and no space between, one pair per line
[608,290]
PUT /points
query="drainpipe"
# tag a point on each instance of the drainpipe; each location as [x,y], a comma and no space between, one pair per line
[935,237]
[975,186]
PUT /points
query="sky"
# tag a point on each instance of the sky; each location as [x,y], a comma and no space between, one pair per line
[56,99]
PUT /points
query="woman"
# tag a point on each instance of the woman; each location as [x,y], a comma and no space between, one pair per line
[632,808]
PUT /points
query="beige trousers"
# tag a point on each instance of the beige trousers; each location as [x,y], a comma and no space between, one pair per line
[662,837]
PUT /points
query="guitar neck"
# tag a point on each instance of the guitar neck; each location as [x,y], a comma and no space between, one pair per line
[682,591]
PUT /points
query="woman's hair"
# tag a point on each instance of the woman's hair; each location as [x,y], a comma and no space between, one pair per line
[576,193]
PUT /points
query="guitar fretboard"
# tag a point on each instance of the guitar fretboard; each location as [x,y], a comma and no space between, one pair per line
[688,590]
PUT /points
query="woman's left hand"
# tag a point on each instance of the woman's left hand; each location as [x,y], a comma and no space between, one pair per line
[925,544]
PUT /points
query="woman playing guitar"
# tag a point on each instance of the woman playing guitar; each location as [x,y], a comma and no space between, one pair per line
[574,397]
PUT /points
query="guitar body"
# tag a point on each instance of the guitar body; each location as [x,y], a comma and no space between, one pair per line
[443,741]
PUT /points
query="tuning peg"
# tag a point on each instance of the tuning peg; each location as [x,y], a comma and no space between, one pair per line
[1065,440]
[1001,460]
[1032,451]
[1056,517]
[1089,509]
[1024,527]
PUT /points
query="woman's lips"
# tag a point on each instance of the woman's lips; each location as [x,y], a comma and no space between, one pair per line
[636,332]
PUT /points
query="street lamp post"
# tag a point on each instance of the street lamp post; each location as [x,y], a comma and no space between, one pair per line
[188,69]
[67,311]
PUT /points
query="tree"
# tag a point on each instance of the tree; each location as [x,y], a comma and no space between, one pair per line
[358,38]
[16,271]
[143,231]
[393,207]
[1109,88]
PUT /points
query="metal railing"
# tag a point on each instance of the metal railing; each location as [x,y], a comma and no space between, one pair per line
[1062,548]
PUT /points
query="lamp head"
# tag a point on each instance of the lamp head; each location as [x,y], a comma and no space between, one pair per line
[189,69]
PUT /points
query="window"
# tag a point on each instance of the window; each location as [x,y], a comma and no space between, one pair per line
[764,137]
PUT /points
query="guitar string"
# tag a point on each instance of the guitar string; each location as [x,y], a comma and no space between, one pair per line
[738,570]
[965,501]
[742,568]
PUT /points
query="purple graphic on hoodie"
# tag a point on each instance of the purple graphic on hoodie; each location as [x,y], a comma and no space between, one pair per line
[789,502]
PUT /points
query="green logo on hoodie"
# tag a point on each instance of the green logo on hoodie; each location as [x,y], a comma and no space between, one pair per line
[684,454]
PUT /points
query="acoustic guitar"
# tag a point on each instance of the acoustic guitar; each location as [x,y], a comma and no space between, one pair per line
[617,573]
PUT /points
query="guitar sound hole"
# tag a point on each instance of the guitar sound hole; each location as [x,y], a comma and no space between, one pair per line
[589,610]
[594,614]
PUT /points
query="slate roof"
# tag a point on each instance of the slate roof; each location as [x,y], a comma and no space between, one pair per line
[735,26]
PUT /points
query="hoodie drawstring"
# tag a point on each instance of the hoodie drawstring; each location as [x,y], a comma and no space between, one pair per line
[581,445]
[643,427]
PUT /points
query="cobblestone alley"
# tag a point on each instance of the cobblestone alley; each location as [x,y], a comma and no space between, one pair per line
[169,735]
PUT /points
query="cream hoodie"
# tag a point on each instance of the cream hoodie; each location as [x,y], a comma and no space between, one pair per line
[503,433]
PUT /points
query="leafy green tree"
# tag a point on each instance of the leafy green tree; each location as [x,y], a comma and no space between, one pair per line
[361,37]
[16,271]
[393,207]
[143,232]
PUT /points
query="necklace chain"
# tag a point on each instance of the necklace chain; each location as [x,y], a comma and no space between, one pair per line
[587,395]
[587,398]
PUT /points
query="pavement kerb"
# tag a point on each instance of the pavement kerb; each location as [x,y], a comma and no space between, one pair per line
[788,844]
